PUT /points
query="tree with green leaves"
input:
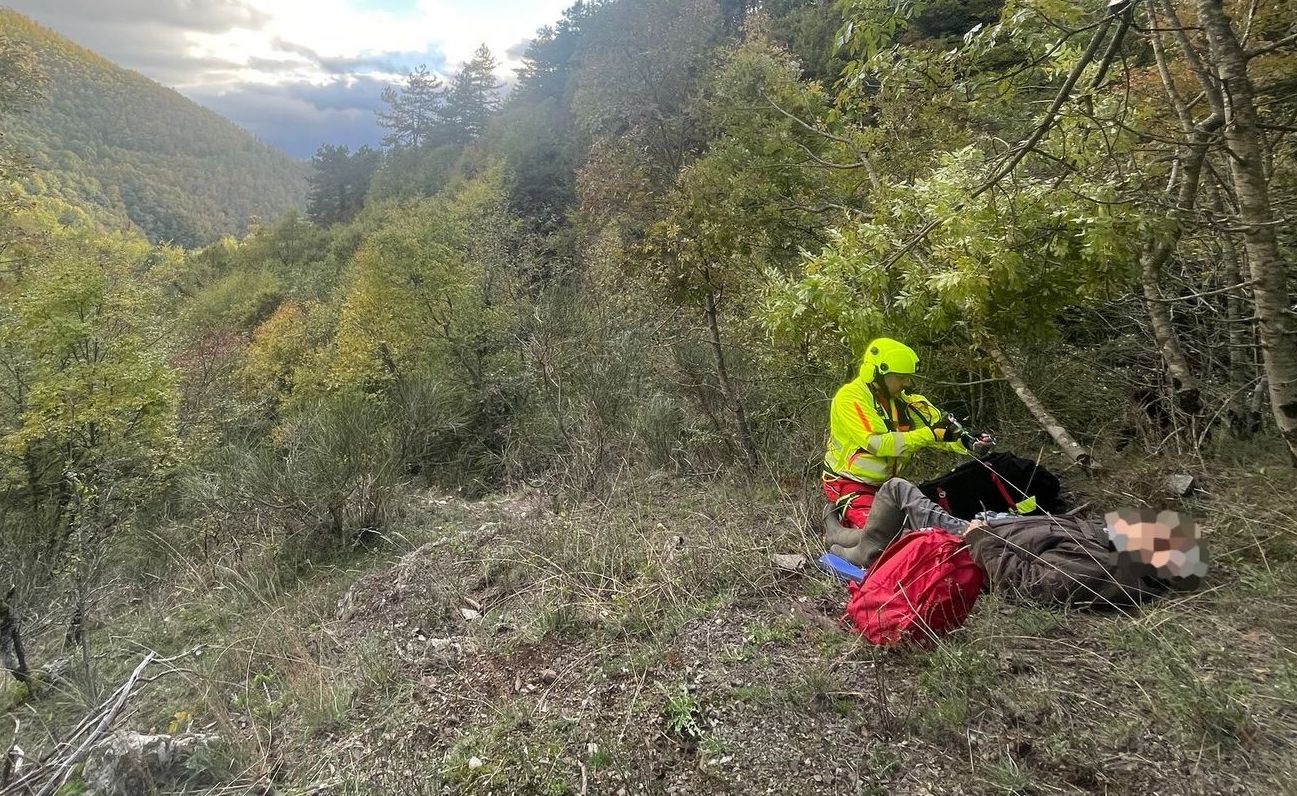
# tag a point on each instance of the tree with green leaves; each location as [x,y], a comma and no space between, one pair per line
[635,101]
[537,136]
[21,80]
[746,208]
[90,393]
[549,61]
[87,397]
[416,297]
[339,182]
[956,238]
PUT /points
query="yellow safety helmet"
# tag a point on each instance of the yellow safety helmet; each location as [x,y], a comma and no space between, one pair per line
[885,355]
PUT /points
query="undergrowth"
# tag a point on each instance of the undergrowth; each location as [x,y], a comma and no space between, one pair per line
[584,646]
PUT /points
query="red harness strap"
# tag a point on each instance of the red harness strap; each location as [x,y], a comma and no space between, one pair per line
[1004,493]
[943,500]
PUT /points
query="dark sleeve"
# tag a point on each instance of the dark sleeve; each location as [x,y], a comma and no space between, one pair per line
[996,553]
[1039,564]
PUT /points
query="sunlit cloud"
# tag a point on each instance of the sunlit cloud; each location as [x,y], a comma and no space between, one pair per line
[239,56]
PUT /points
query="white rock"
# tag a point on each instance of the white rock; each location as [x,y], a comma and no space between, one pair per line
[127,763]
[1180,484]
[790,562]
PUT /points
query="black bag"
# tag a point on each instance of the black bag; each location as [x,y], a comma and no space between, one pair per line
[994,484]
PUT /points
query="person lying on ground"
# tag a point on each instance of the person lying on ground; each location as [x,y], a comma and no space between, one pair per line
[1137,555]
[876,424]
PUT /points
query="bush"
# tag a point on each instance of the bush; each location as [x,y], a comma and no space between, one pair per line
[328,475]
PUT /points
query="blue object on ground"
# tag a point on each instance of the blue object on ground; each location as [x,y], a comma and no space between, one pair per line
[841,568]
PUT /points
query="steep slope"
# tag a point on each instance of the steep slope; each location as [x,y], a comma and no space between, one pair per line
[112,139]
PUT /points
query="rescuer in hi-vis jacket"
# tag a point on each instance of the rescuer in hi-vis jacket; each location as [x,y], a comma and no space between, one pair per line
[875,426]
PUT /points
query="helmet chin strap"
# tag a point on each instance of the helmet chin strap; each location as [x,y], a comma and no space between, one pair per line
[881,384]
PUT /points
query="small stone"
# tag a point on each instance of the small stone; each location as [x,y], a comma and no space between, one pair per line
[469,614]
[441,652]
[474,763]
[1180,484]
[790,562]
[548,676]
[56,671]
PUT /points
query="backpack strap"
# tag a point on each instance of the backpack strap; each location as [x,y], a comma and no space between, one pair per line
[1004,493]
[943,500]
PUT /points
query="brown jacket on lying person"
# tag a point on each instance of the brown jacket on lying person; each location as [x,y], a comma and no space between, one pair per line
[1058,561]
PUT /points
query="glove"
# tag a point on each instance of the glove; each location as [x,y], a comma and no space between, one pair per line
[948,428]
[979,443]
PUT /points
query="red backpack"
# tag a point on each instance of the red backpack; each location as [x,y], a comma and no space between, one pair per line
[921,587]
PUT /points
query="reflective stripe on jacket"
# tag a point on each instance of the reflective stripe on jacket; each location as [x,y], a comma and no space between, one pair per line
[864,445]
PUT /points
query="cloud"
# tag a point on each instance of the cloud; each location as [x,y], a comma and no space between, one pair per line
[295,72]
[149,36]
[211,16]
[299,117]
[386,63]
[518,50]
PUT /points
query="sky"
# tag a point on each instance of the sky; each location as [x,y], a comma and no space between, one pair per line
[296,73]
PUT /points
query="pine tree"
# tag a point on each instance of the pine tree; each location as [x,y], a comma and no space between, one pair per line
[324,198]
[549,61]
[473,97]
[339,183]
[416,111]
[360,171]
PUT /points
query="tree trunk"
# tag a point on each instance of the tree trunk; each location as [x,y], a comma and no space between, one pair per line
[11,643]
[1242,357]
[1184,385]
[1276,324]
[727,387]
[1047,421]
[1183,192]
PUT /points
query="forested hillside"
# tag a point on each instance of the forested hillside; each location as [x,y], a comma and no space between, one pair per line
[489,474]
[138,152]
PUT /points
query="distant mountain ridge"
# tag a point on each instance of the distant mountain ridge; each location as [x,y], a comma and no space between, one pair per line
[137,152]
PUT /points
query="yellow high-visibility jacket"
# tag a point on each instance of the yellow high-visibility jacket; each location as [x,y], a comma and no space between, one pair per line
[870,442]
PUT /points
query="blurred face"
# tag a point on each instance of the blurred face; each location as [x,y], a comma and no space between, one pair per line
[1167,542]
[896,382]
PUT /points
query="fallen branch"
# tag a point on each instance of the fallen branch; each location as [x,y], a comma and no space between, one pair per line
[1047,421]
[55,773]
[14,757]
[105,724]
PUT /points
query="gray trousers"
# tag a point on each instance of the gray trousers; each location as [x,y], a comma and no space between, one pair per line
[899,506]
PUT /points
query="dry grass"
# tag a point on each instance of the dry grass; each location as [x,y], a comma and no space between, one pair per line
[605,626]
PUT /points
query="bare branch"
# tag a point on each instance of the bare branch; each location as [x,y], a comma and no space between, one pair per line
[848,143]
[1271,47]
[1203,294]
